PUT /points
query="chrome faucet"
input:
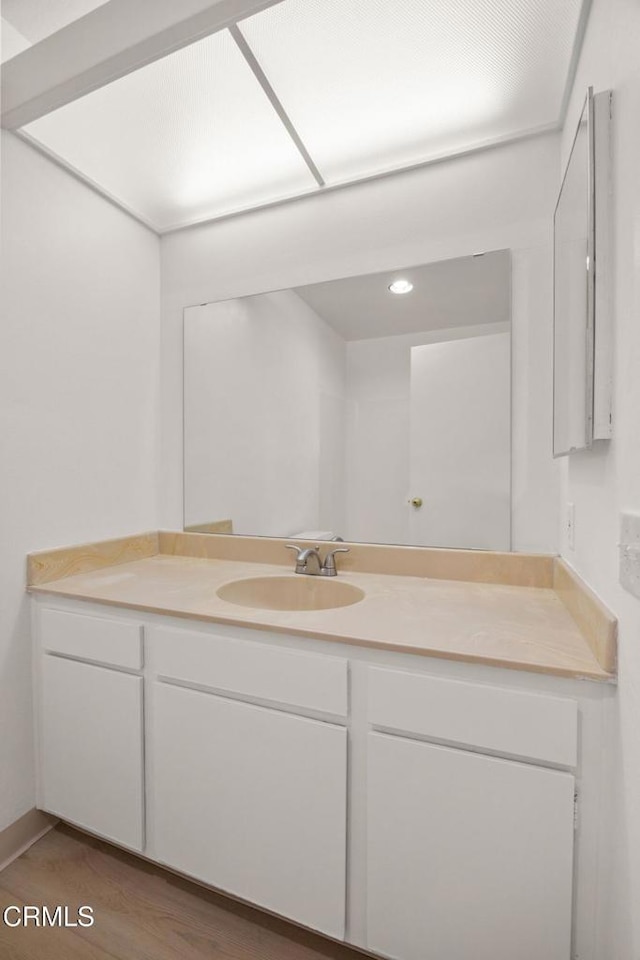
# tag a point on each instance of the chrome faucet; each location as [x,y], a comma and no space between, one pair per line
[326,569]
[303,557]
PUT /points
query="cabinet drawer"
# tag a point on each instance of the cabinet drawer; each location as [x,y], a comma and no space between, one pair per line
[114,642]
[513,722]
[252,670]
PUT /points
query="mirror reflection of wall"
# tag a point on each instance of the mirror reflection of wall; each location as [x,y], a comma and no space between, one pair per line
[342,409]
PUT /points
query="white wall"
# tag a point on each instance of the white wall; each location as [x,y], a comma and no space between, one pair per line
[11,41]
[606,480]
[378,441]
[79,363]
[264,399]
[496,199]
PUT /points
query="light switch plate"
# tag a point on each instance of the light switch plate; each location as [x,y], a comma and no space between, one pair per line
[630,553]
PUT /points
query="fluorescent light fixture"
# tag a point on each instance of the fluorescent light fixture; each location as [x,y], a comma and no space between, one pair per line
[185,138]
[401,286]
[372,85]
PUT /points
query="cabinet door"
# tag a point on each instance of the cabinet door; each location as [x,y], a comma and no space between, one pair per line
[91,748]
[469,857]
[253,802]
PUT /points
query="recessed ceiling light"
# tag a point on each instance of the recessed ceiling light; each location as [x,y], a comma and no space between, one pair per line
[401,286]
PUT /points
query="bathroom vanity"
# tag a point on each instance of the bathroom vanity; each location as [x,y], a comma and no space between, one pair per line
[420,773]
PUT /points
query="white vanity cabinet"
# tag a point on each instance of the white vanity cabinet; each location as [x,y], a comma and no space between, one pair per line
[90,723]
[418,809]
[248,794]
[469,855]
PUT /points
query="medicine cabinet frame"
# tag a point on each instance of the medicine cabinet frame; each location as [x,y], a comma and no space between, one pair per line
[575,382]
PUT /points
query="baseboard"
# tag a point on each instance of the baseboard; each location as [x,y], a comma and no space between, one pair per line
[19,835]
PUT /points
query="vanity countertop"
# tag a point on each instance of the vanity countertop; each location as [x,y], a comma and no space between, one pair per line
[518,627]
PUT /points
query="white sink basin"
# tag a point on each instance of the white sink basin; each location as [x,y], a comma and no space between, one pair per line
[299,592]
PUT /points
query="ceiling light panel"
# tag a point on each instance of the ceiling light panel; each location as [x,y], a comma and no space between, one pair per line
[187,138]
[371,85]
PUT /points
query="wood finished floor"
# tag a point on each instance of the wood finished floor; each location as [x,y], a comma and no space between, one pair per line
[141,912]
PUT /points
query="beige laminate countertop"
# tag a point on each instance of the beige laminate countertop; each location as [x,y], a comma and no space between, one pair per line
[524,628]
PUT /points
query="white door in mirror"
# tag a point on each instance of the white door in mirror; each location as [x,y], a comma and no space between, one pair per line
[460,450]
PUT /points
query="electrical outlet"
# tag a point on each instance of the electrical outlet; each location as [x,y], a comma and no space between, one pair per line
[571,526]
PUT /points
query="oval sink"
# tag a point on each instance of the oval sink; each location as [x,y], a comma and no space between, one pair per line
[290,593]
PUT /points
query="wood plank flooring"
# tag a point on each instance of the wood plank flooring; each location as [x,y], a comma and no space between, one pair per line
[141,911]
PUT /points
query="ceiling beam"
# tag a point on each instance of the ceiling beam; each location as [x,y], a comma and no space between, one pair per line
[110,42]
[274,100]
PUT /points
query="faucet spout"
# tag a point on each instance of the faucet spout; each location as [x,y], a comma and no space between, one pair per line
[326,569]
[303,558]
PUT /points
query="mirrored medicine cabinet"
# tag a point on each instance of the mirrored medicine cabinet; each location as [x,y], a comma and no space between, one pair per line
[582,308]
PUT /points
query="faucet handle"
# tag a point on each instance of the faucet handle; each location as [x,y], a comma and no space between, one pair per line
[292,546]
[329,565]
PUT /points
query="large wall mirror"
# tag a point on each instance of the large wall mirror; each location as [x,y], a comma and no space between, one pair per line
[375,408]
